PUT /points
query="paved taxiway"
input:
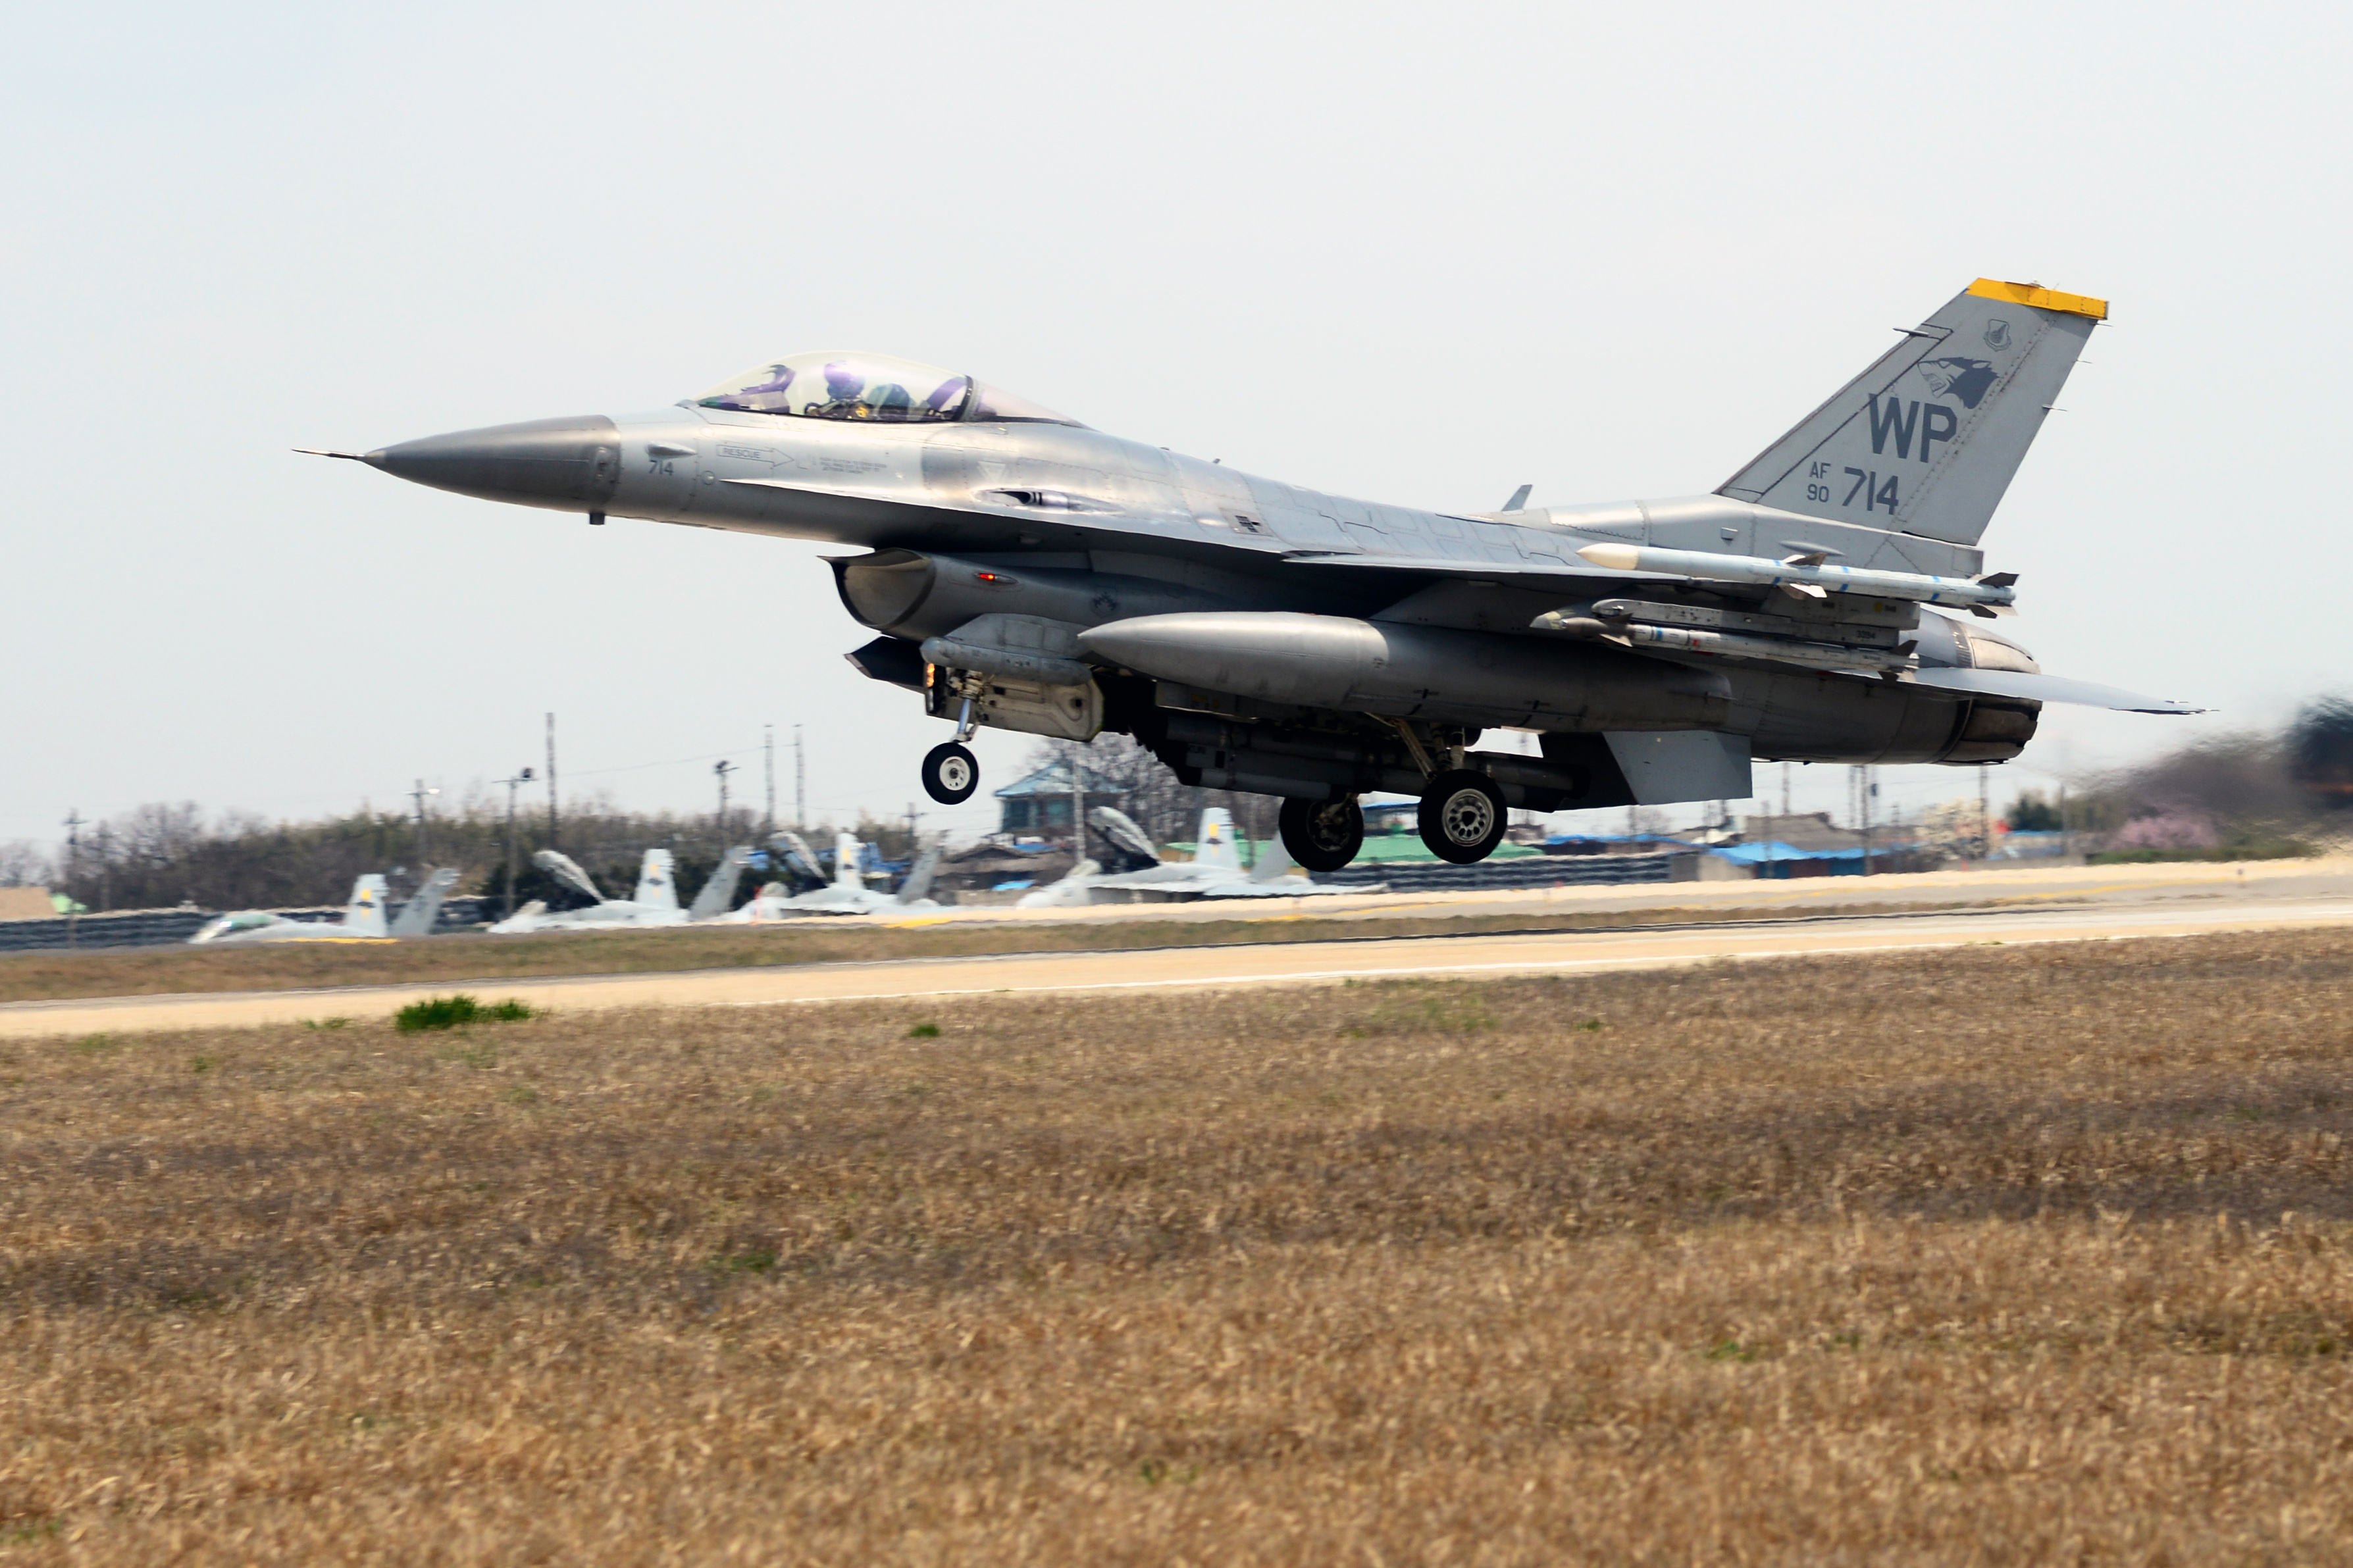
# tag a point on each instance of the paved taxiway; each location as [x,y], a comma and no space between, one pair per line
[2073,908]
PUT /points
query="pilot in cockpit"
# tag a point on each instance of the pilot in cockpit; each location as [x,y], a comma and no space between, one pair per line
[844,388]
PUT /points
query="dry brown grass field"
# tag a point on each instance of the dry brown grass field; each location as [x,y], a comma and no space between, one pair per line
[1991,1255]
[171,970]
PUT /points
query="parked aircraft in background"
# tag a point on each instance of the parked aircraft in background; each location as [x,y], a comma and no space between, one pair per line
[763,908]
[848,894]
[1216,871]
[655,902]
[363,918]
[1028,573]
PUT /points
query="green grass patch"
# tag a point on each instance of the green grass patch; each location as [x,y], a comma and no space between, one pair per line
[455,1012]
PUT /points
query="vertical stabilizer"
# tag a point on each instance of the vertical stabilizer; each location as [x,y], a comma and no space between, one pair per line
[1926,441]
[918,884]
[719,893]
[657,881]
[1218,847]
[418,915]
[364,916]
[1274,864]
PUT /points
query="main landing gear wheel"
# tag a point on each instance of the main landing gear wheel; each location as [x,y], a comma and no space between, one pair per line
[1321,835]
[951,772]
[1463,816]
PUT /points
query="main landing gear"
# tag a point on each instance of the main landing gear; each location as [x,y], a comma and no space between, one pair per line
[1463,816]
[1321,835]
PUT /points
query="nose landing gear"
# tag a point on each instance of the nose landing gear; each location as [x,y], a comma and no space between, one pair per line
[951,772]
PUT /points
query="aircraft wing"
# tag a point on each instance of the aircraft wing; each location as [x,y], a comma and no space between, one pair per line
[2036,687]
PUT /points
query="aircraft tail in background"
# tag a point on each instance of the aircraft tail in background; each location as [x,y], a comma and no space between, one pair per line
[364,916]
[719,893]
[657,881]
[918,884]
[418,916]
[1218,847]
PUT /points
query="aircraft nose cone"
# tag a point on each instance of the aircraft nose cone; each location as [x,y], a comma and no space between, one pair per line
[568,465]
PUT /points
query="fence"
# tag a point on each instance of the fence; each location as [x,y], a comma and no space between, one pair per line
[161,928]
[1487,876]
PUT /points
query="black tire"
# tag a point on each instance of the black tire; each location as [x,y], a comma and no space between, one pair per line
[1462,816]
[1321,835]
[951,772]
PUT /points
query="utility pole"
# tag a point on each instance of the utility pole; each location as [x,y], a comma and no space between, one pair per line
[722,768]
[768,744]
[555,839]
[800,784]
[1785,789]
[1985,815]
[424,852]
[73,848]
[1870,790]
[1078,803]
[522,777]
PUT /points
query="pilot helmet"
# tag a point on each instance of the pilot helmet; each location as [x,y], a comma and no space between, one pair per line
[842,382]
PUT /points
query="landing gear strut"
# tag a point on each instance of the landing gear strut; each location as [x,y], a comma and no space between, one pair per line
[951,772]
[1463,816]
[1321,835]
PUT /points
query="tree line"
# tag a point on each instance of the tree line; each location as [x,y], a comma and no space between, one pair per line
[161,856]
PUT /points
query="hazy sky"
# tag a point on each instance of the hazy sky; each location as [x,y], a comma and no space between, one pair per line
[1406,253]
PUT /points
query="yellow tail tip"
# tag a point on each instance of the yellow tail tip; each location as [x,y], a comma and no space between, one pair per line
[2039,297]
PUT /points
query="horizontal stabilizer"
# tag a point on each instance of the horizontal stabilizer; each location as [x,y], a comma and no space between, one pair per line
[2045,689]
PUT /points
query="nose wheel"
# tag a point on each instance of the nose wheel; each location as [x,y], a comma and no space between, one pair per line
[1321,835]
[1463,816]
[951,772]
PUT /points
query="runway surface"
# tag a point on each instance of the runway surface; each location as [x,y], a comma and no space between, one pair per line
[2216,909]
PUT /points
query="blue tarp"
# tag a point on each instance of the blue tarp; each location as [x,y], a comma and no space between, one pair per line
[1755,854]
[1622,838]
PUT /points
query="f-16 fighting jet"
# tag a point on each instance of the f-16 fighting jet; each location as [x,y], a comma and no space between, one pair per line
[363,917]
[1216,871]
[1028,572]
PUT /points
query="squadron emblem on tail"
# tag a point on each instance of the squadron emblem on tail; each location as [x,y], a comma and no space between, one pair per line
[1965,379]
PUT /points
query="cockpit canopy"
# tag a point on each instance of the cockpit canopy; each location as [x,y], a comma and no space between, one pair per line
[872,387]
